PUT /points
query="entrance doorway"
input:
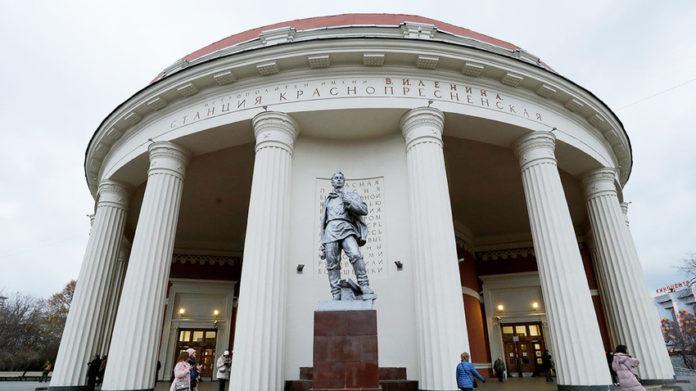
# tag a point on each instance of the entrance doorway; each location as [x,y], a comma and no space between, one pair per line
[203,341]
[523,344]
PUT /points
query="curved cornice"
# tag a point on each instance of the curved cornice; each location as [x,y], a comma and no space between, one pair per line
[316,55]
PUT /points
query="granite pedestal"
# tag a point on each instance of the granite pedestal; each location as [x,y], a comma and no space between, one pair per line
[345,351]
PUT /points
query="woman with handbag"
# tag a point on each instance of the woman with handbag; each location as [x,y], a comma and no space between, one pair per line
[182,374]
[223,372]
[626,368]
[466,374]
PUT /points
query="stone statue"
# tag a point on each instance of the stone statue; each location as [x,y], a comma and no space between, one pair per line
[343,228]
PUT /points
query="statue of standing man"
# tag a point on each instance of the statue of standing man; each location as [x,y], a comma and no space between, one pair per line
[343,228]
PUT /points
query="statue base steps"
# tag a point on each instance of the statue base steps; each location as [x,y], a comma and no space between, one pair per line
[345,353]
[390,379]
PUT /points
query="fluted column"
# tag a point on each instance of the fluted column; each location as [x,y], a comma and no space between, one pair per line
[441,323]
[134,342]
[579,353]
[115,288]
[82,332]
[259,337]
[632,311]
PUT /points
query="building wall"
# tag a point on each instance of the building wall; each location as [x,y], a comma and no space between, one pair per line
[473,308]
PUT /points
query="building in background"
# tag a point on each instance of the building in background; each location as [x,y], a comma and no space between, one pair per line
[495,193]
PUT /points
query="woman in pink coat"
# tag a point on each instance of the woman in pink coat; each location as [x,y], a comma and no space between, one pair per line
[182,372]
[626,368]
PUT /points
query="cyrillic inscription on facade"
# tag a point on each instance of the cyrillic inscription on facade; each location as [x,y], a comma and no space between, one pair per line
[363,87]
[372,192]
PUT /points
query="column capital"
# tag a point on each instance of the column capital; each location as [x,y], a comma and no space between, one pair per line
[168,158]
[111,193]
[599,182]
[535,148]
[275,129]
[422,125]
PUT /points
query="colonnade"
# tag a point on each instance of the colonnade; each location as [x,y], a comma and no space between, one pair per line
[138,291]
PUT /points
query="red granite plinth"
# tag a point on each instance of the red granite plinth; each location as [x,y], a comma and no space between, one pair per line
[345,351]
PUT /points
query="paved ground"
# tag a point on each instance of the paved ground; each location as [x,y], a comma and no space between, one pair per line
[20,385]
[204,386]
[518,384]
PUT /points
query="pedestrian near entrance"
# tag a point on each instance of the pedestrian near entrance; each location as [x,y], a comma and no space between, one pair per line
[466,373]
[102,369]
[223,372]
[182,374]
[626,368]
[499,368]
[547,365]
[195,368]
[93,372]
[610,361]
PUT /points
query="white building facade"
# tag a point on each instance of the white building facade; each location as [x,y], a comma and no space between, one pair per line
[494,182]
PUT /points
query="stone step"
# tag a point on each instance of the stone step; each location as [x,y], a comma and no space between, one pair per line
[387,385]
[298,385]
[392,373]
[399,385]
[385,373]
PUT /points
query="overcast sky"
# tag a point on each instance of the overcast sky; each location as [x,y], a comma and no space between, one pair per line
[67,64]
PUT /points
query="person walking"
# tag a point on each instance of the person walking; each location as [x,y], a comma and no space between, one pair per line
[102,369]
[44,371]
[547,365]
[182,374]
[223,372]
[93,372]
[466,373]
[195,368]
[499,368]
[626,368]
[612,372]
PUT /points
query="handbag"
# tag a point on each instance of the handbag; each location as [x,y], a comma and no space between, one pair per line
[182,385]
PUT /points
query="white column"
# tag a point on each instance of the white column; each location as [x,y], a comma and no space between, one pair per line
[573,327]
[633,313]
[259,337]
[115,288]
[441,323]
[83,327]
[133,353]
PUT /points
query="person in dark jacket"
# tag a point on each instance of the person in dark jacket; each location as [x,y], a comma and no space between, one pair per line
[466,373]
[610,360]
[93,372]
[547,365]
[195,369]
[499,368]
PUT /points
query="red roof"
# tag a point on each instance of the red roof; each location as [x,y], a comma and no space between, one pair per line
[346,20]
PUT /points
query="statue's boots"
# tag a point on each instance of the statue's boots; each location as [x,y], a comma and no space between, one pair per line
[361,276]
[334,280]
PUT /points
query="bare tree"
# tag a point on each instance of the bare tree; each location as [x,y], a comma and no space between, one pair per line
[31,329]
[688,267]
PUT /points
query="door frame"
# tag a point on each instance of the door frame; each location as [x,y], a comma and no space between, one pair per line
[494,318]
[172,322]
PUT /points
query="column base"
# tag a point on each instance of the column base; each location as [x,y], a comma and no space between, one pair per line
[563,387]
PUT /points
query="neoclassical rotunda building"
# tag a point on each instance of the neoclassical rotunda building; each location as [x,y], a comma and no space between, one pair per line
[496,223]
